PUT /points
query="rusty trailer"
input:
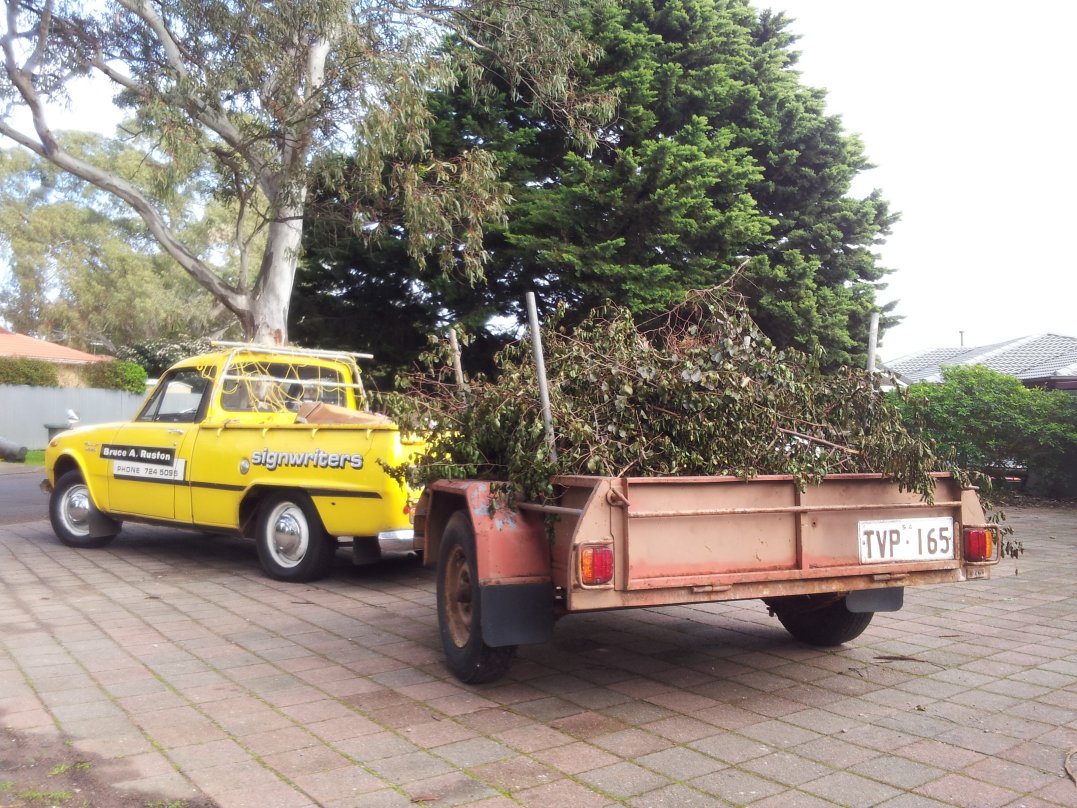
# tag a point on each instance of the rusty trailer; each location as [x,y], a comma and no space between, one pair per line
[824,559]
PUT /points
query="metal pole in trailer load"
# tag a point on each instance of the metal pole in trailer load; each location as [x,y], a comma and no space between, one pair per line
[457,364]
[540,370]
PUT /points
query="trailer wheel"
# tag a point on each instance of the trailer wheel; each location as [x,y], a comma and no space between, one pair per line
[292,544]
[71,511]
[819,619]
[469,659]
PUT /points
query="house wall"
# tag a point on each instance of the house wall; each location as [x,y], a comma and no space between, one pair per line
[24,411]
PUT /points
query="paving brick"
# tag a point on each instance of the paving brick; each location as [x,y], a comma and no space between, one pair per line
[966,792]
[793,799]
[473,752]
[1015,776]
[779,734]
[455,788]
[786,768]
[913,801]
[630,743]
[515,773]
[623,780]
[345,696]
[852,790]
[533,737]
[736,786]
[936,753]
[560,794]
[676,796]
[587,725]
[679,763]
[279,795]
[574,758]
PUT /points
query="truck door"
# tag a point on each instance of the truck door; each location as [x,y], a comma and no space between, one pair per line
[148,457]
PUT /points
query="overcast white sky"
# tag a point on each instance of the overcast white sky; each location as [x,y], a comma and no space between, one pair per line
[967,110]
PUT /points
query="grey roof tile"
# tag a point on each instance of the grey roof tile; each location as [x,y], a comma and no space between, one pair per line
[1032,357]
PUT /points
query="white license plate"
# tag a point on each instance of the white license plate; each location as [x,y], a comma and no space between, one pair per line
[927,539]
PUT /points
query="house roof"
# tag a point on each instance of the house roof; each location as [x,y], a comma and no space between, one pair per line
[23,347]
[1038,356]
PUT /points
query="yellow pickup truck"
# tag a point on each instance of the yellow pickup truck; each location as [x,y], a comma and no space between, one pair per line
[272,444]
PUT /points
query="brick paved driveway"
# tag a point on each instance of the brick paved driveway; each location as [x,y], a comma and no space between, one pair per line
[182,672]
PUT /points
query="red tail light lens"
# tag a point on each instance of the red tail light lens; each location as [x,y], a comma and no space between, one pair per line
[596,564]
[979,544]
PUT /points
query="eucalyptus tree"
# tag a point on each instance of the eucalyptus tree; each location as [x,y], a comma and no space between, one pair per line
[81,266]
[265,88]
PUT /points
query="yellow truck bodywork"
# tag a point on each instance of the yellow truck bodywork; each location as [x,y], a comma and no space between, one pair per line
[226,432]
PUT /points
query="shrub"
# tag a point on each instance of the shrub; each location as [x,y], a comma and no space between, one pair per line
[991,422]
[117,375]
[33,372]
[157,356]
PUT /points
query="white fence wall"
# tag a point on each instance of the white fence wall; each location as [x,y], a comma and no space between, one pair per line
[24,411]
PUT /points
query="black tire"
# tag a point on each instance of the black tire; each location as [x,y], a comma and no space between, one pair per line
[71,511]
[819,619]
[292,544]
[469,659]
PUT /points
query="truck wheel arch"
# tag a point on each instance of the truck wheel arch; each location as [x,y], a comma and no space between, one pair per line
[252,501]
[65,463]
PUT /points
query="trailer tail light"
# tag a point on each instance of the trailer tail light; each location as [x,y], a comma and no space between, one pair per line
[596,564]
[979,544]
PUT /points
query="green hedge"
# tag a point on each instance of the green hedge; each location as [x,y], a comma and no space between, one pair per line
[991,422]
[33,372]
[117,375]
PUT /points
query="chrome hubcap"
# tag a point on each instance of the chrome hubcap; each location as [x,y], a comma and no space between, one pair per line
[289,536]
[76,510]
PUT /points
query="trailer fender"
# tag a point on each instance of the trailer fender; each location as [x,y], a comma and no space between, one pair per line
[512,559]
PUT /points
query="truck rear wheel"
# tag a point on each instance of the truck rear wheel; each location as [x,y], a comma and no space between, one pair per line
[469,659]
[71,512]
[819,619]
[292,544]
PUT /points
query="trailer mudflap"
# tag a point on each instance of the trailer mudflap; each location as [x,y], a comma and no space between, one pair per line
[517,614]
[890,599]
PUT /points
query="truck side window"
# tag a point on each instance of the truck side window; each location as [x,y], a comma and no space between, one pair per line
[179,398]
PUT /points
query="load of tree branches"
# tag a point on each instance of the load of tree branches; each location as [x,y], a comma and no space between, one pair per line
[698,391]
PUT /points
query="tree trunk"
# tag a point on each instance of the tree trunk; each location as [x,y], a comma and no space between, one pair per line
[266,321]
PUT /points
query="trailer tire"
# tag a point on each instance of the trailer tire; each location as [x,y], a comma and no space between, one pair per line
[72,512]
[824,625]
[292,544]
[467,656]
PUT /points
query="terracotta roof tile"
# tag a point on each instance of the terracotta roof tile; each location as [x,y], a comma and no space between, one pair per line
[24,347]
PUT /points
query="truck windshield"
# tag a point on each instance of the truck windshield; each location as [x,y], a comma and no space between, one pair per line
[179,397]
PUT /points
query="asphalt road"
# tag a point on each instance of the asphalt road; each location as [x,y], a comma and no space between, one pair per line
[21,500]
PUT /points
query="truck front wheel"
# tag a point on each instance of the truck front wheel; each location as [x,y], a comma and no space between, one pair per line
[292,544]
[72,513]
[469,659]
[819,619]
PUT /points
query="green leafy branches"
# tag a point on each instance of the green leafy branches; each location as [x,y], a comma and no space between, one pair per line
[698,390]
